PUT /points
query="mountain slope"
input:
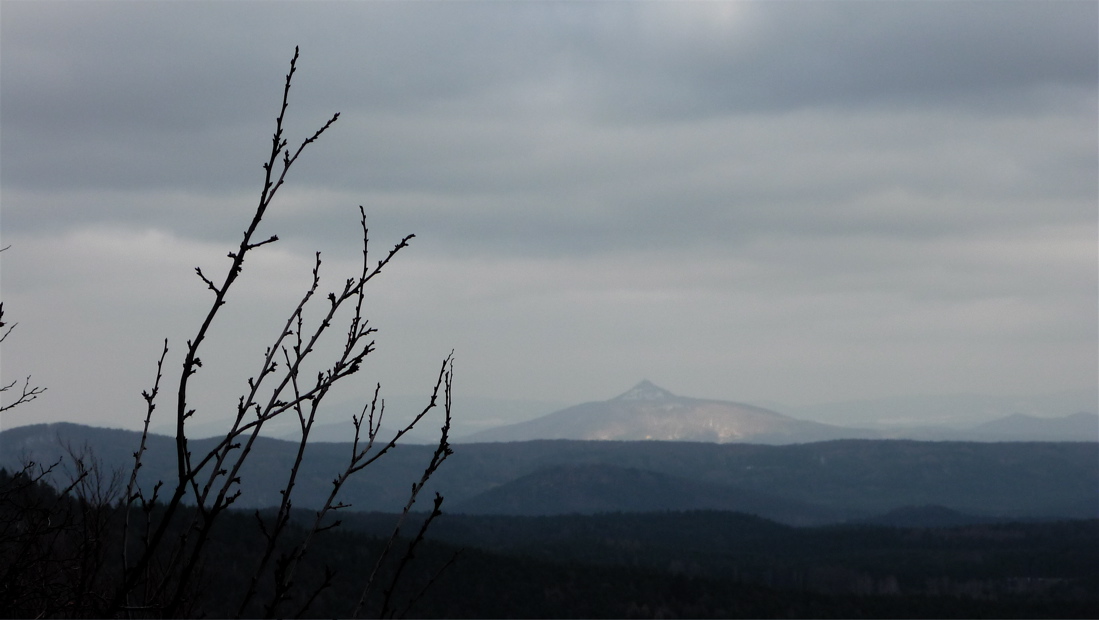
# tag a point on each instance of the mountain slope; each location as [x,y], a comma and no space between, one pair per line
[648,412]
[601,488]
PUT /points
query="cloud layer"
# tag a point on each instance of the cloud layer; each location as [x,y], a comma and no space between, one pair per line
[792,202]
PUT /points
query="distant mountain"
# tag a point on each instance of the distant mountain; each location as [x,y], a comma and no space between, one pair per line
[648,412]
[953,411]
[600,488]
[1080,426]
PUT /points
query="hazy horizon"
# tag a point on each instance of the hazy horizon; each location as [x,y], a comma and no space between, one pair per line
[948,411]
[788,203]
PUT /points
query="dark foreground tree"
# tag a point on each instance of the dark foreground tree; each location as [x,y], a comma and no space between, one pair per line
[133,547]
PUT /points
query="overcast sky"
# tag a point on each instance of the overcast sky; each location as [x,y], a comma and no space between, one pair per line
[788,202]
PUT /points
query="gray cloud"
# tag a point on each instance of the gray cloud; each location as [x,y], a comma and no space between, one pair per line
[781,201]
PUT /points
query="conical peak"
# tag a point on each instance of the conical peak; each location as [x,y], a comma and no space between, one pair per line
[646,390]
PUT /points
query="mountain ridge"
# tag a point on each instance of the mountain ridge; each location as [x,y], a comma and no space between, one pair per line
[647,412]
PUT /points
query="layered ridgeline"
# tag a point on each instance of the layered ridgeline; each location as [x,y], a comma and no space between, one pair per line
[802,484]
[648,412]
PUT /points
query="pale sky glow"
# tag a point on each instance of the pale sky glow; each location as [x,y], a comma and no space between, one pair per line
[796,202]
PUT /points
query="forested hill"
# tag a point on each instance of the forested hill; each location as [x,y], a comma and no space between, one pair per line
[803,484]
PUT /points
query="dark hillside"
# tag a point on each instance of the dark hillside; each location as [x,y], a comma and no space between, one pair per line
[669,564]
[598,488]
[850,478]
[1033,565]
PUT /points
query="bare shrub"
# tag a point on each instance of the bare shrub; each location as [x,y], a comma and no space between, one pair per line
[140,545]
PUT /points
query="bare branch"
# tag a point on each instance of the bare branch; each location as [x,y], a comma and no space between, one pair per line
[26,394]
[442,451]
[132,495]
[175,541]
